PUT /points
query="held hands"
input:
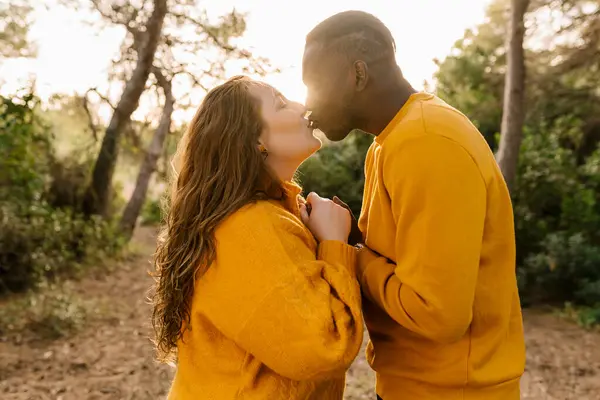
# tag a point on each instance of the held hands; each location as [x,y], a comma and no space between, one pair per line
[326,219]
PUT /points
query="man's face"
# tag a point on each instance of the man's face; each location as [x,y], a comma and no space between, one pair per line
[329,80]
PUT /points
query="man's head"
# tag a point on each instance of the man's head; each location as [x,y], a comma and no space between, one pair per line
[347,57]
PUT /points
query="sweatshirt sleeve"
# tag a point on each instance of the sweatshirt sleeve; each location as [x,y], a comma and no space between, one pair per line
[297,312]
[438,199]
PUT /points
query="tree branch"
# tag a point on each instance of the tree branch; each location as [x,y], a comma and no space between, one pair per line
[194,79]
[207,29]
[91,124]
[102,97]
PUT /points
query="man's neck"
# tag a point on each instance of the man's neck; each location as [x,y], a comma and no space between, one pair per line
[389,103]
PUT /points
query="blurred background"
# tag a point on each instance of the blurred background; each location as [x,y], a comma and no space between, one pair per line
[95,94]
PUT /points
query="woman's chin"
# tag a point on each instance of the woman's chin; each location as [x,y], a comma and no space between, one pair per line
[316,144]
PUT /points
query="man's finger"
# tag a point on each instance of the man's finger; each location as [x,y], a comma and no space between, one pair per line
[355,236]
[340,203]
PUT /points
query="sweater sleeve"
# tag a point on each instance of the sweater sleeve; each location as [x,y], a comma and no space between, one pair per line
[297,312]
[438,199]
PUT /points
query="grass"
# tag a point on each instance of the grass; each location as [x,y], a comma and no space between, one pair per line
[51,312]
[586,317]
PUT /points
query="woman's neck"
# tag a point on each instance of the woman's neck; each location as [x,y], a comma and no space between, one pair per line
[284,171]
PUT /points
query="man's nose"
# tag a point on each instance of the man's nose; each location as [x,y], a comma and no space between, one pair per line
[308,102]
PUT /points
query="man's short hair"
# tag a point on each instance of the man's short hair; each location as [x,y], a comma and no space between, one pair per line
[356,34]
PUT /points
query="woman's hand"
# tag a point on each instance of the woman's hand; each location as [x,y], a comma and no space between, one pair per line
[326,220]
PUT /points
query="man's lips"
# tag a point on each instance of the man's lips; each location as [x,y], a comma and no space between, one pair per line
[313,123]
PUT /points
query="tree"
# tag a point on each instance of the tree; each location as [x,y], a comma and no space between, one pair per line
[471,78]
[192,49]
[513,115]
[97,195]
[192,52]
[14,27]
[568,70]
[134,206]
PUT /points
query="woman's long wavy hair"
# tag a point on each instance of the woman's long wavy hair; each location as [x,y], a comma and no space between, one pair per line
[219,168]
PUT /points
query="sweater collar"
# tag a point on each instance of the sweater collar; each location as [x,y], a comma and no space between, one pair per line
[292,197]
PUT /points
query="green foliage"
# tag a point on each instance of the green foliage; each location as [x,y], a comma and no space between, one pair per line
[152,212]
[25,150]
[471,78]
[49,313]
[41,242]
[557,213]
[338,170]
[565,269]
[548,178]
[40,237]
[14,27]
[587,317]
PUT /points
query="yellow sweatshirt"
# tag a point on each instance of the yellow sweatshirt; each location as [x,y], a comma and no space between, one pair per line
[438,276]
[275,317]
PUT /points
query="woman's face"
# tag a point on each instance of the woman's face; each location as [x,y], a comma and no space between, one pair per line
[287,138]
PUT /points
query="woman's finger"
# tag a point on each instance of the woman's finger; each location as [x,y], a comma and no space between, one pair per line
[312,197]
[304,214]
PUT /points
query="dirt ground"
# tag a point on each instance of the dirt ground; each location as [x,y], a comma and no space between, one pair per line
[112,359]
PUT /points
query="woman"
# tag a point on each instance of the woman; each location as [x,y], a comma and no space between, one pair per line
[255,303]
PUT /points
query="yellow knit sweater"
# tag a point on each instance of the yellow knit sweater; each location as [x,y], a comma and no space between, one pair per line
[442,306]
[275,317]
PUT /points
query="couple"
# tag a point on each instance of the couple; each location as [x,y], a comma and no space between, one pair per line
[260,292]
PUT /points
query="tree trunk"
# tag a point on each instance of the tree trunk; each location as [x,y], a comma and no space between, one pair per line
[134,206]
[97,195]
[513,113]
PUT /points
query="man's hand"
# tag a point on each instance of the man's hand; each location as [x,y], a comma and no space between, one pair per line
[355,236]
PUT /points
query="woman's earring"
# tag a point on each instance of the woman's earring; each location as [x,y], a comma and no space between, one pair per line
[263,151]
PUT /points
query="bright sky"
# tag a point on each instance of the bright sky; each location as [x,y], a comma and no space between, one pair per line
[73,57]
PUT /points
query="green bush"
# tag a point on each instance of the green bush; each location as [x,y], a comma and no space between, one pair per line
[587,317]
[40,234]
[49,313]
[557,216]
[566,269]
[25,151]
[48,243]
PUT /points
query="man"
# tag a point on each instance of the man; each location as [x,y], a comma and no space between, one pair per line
[438,273]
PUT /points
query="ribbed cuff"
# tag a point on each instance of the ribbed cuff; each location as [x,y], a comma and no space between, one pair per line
[333,251]
[364,258]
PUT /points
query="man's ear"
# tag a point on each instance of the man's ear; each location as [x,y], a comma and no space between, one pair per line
[361,73]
